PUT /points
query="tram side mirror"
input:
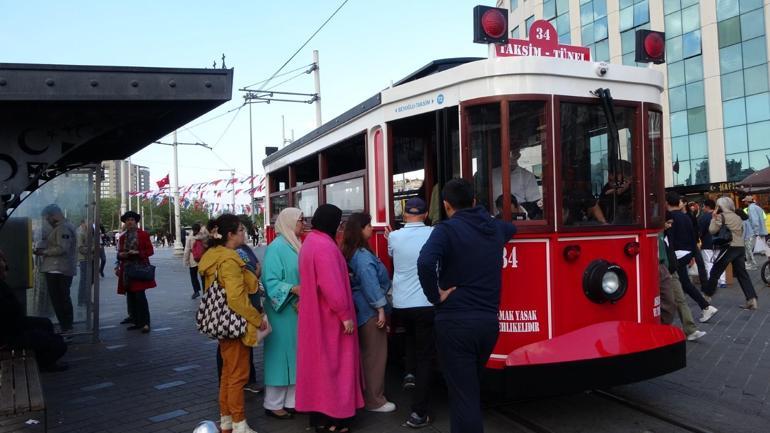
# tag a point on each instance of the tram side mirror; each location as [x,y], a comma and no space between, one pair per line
[650,47]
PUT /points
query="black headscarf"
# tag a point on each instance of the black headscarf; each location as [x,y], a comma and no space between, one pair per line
[327,219]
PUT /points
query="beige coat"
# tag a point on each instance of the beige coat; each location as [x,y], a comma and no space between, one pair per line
[734,224]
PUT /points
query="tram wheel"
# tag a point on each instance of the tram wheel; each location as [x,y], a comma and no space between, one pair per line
[765,273]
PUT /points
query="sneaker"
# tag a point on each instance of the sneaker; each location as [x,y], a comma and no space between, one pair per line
[696,335]
[417,421]
[409,382]
[252,387]
[195,295]
[707,314]
[722,286]
[387,407]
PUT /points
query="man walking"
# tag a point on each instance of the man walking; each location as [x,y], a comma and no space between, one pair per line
[460,273]
[411,308]
[758,228]
[59,257]
[707,242]
[682,237]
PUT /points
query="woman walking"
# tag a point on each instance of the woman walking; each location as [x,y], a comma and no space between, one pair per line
[281,281]
[193,251]
[134,248]
[370,282]
[222,263]
[328,372]
[735,253]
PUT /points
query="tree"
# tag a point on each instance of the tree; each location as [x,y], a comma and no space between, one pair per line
[109,213]
[735,171]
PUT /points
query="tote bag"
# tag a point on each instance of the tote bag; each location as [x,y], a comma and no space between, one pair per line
[215,318]
[723,237]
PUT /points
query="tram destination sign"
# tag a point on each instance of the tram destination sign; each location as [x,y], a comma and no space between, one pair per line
[543,42]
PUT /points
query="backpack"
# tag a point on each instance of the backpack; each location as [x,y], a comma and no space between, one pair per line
[198,249]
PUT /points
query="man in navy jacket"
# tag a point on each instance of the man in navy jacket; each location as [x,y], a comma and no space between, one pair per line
[460,272]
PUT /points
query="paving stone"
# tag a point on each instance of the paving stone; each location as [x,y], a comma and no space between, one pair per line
[170,384]
[168,415]
[97,386]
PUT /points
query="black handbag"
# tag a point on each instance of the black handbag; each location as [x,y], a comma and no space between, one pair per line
[723,237]
[140,271]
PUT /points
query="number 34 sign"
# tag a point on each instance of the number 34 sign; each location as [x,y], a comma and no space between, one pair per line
[544,42]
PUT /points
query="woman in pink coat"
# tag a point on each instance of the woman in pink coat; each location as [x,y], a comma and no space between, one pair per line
[328,369]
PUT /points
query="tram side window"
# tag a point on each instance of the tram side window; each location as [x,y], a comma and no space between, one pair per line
[484,122]
[277,204]
[527,126]
[598,186]
[307,201]
[654,135]
[347,195]
[279,197]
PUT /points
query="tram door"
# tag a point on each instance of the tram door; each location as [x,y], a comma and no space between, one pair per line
[425,155]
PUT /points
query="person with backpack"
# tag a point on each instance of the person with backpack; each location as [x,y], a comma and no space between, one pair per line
[194,248]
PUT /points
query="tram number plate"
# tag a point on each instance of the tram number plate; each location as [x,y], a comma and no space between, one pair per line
[509,259]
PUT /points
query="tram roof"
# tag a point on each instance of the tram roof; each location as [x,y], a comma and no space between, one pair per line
[431,68]
[58,117]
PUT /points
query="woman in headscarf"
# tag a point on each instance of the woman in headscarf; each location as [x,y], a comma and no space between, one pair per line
[734,253]
[134,247]
[328,366]
[281,280]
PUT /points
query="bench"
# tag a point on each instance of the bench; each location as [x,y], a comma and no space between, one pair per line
[21,392]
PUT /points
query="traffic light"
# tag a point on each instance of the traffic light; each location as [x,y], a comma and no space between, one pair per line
[490,25]
[650,47]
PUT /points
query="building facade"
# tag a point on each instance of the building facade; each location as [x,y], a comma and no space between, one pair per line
[717,92]
[114,172]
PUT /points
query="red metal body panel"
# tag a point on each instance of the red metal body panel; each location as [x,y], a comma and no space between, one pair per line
[380,178]
[600,340]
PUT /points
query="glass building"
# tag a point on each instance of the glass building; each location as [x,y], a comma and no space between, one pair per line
[717,94]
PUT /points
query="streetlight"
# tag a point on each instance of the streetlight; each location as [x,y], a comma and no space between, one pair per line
[178,247]
[232,176]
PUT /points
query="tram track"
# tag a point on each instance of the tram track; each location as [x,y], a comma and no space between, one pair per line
[530,417]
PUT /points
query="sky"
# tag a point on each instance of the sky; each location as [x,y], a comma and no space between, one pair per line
[365,47]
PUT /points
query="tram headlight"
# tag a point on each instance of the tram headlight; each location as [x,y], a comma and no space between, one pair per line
[604,281]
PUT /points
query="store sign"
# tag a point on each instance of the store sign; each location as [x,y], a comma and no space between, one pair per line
[543,42]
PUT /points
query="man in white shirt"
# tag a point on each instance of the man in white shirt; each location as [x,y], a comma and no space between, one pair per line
[411,308]
[523,185]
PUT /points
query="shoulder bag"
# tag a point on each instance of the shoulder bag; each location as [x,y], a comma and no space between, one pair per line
[723,237]
[215,318]
[140,272]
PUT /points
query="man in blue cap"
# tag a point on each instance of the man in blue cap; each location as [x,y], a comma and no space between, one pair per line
[412,309]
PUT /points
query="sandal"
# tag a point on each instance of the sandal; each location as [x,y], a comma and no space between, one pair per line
[340,430]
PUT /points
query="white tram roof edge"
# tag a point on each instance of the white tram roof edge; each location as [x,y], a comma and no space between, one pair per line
[478,79]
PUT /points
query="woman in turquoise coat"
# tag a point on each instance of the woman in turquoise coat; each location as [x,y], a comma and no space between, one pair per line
[280,276]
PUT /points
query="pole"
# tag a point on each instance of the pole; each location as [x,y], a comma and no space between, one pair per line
[138,204]
[129,185]
[232,177]
[178,247]
[283,131]
[251,160]
[317,79]
[123,184]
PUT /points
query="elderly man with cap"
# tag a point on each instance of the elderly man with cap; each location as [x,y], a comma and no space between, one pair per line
[758,228]
[59,261]
[412,309]
[134,248]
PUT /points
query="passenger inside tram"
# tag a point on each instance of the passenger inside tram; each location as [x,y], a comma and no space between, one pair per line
[580,206]
[523,185]
[616,199]
[517,212]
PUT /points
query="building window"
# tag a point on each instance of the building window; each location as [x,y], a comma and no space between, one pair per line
[745,95]
[686,95]
[515,32]
[558,15]
[593,28]
[528,23]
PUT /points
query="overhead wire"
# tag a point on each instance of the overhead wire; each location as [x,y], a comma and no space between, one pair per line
[304,44]
[281,75]
[212,119]
[228,126]
[286,81]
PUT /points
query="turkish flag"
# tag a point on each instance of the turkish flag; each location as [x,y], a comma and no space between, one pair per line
[163,182]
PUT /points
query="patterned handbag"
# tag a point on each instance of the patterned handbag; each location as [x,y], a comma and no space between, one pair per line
[214,316]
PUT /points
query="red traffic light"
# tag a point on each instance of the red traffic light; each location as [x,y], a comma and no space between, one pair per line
[490,25]
[650,46]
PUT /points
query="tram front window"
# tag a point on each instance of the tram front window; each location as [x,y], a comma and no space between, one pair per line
[523,159]
[597,183]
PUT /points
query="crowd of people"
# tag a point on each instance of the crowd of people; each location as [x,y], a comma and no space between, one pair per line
[702,241]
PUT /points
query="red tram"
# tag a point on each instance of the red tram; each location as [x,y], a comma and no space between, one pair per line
[570,151]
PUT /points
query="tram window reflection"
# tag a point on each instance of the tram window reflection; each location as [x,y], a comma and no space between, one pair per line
[347,195]
[484,121]
[307,200]
[598,186]
[277,204]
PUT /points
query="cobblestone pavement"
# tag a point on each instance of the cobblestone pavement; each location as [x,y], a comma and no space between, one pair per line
[165,381]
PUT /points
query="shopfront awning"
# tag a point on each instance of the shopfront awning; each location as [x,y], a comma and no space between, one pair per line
[54,118]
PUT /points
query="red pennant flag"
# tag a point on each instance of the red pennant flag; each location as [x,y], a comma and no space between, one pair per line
[163,182]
